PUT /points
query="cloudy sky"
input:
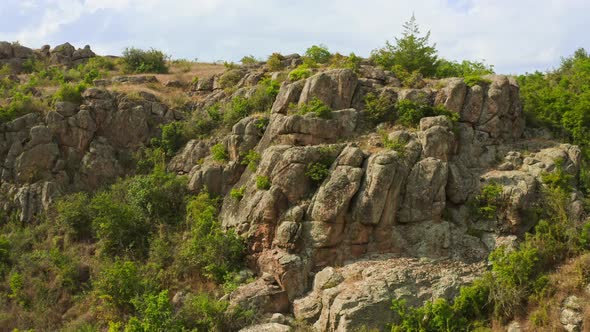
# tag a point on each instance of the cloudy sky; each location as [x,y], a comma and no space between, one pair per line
[514,35]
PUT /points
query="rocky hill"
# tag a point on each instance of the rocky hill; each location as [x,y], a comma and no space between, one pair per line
[341,213]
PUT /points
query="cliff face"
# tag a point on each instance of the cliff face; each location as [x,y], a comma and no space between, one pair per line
[381,223]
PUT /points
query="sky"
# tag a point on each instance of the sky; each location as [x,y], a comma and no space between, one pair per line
[515,36]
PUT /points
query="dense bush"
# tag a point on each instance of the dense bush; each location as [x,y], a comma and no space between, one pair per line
[249,60]
[316,107]
[20,104]
[230,78]
[202,312]
[489,202]
[120,283]
[317,172]
[380,108]
[237,193]
[141,61]
[251,159]
[219,152]
[352,61]
[154,313]
[70,92]
[319,53]
[172,138]
[464,68]
[409,113]
[209,251]
[302,71]
[263,182]
[472,80]
[275,62]
[119,226]
[74,215]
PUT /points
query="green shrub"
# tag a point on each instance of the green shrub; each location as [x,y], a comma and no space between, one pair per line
[19,105]
[465,68]
[275,62]
[317,172]
[317,107]
[208,250]
[352,61]
[155,314]
[249,60]
[260,101]
[318,53]
[202,312]
[393,144]
[263,183]
[489,202]
[219,152]
[472,80]
[410,113]
[172,138]
[380,109]
[5,261]
[238,193]
[70,92]
[74,215]
[120,283]
[230,78]
[558,179]
[299,73]
[251,159]
[158,195]
[119,227]
[16,282]
[141,61]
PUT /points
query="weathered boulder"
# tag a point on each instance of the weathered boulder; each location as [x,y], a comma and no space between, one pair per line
[335,88]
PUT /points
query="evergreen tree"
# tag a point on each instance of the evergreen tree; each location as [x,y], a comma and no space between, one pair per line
[412,52]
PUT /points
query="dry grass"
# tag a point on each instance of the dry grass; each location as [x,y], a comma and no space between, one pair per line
[566,281]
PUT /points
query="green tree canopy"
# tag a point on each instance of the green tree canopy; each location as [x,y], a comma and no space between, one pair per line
[412,52]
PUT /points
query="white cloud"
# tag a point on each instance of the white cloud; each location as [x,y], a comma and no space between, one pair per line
[513,35]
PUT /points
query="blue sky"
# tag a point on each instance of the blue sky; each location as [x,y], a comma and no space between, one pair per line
[514,35]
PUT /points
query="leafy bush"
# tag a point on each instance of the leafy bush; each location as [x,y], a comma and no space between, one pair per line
[237,193]
[317,107]
[19,105]
[5,261]
[472,80]
[409,112]
[302,71]
[263,183]
[465,68]
[201,312]
[317,172]
[74,215]
[249,60]
[275,62]
[120,227]
[230,78]
[141,61]
[490,200]
[251,159]
[318,53]
[380,109]
[219,152]
[352,61]
[159,196]
[70,92]
[155,313]
[184,65]
[209,251]
[173,137]
[119,283]
[260,101]
[393,144]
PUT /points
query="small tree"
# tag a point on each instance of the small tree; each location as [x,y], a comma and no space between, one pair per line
[412,52]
